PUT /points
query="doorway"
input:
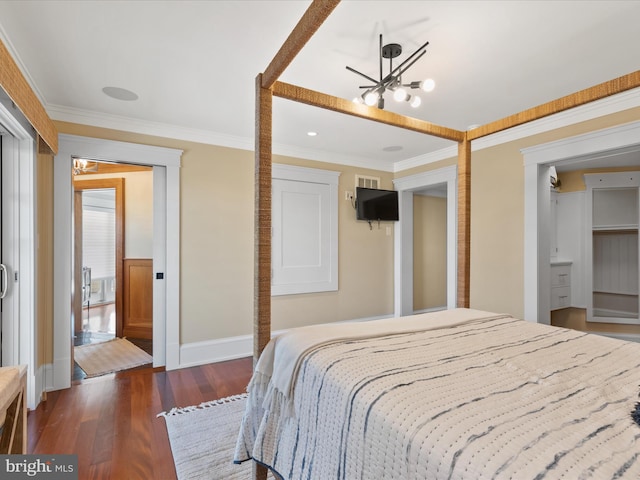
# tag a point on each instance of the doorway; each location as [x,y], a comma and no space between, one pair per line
[103,255]
[443,181]
[600,148]
[166,245]
[430,249]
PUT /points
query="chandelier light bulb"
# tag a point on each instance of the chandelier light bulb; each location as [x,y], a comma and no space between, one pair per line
[428,85]
[371,98]
[357,100]
[400,94]
[392,82]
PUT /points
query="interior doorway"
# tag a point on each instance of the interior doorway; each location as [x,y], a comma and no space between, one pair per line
[430,249]
[110,303]
[166,164]
[441,182]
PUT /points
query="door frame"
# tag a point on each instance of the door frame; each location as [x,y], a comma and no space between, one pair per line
[403,240]
[537,160]
[98,184]
[166,332]
[19,346]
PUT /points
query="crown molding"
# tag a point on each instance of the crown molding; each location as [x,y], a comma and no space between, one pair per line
[427,158]
[164,130]
[144,127]
[613,104]
[331,157]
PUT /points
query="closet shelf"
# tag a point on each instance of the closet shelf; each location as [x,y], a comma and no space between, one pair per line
[614,228]
[612,292]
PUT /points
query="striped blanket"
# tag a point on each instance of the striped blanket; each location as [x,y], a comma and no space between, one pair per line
[490,397]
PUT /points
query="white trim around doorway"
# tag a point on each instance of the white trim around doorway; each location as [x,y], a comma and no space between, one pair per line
[537,160]
[21,339]
[403,240]
[166,230]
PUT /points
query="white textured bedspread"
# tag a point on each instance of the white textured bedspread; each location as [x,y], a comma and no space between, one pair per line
[488,396]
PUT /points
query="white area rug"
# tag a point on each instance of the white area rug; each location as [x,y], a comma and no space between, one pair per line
[203,440]
[110,356]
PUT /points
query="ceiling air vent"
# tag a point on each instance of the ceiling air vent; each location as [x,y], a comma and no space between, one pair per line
[367,181]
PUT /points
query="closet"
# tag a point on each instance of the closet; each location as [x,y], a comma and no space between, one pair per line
[611,247]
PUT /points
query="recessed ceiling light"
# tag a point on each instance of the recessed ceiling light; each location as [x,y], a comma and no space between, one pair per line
[392,148]
[312,134]
[120,93]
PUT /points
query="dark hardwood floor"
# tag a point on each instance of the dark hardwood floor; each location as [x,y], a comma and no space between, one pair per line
[110,422]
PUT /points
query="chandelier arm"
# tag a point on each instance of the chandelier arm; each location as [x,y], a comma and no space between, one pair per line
[392,75]
[414,61]
[380,56]
[363,75]
[410,57]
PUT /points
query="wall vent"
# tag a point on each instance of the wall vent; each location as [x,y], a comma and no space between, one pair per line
[367,181]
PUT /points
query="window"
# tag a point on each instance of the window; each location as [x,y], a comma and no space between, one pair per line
[305,230]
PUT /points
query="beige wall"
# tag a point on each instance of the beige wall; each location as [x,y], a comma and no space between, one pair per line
[138,211]
[497,214]
[429,252]
[138,201]
[216,257]
[573,181]
[365,264]
[217,236]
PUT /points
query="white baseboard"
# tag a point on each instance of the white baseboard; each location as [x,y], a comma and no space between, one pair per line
[629,337]
[229,348]
[430,310]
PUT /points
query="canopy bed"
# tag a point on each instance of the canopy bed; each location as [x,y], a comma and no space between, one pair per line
[284,404]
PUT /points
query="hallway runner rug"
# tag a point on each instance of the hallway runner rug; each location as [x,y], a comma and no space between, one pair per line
[203,440]
[111,356]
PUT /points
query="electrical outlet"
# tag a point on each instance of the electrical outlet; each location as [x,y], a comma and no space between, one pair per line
[348,195]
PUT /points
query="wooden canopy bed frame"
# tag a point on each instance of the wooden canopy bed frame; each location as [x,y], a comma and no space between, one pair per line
[267,86]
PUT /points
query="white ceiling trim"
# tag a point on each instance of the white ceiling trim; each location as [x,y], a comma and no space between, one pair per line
[606,106]
[115,122]
[613,104]
[144,127]
[331,157]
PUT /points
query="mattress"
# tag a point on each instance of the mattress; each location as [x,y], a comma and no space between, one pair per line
[460,394]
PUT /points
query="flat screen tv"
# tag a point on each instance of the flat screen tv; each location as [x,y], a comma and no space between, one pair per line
[374,204]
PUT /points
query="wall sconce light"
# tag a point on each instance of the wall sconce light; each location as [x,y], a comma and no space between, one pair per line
[553,177]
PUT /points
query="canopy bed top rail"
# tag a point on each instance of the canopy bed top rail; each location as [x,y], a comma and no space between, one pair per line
[591,94]
[316,14]
[336,104]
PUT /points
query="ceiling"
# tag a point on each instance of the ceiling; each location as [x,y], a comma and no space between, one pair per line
[193,65]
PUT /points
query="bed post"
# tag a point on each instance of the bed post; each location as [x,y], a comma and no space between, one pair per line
[464,221]
[262,232]
[315,15]
[262,220]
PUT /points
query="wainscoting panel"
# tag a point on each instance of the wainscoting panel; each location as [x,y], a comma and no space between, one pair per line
[138,298]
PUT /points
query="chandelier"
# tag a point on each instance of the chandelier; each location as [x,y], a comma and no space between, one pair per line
[81,165]
[392,82]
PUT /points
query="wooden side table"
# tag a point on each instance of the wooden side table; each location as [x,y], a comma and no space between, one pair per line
[13,409]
